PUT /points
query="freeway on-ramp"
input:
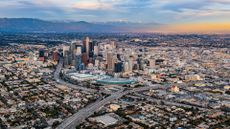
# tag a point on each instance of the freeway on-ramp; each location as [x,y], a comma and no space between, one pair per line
[81,115]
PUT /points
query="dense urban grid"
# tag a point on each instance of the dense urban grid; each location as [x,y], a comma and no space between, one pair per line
[134,81]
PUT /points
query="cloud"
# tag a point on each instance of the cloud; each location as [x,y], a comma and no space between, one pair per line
[30,9]
[179,6]
[220,1]
[161,11]
[92,5]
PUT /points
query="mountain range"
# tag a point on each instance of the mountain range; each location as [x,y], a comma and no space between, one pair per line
[37,25]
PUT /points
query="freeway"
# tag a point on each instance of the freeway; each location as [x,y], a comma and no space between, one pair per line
[60,81]
[81,115]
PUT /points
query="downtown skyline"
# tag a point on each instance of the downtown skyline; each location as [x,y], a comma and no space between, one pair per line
[165,16]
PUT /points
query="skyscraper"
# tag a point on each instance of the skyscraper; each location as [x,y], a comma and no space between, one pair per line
[91,46]
[118,67]
[85,59]
[96,50]
[72,52]
[41,55]
[78,62]
[86,46]
[66,53]
[86,51]
[72,48]
[55,56]
[79,50]
[110,62]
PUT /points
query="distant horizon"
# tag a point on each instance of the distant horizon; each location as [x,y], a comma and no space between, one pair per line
[188,28]
[203,16]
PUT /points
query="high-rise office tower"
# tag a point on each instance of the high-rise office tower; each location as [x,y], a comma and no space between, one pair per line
[86,46]
[55,56]
[78,62]
[65,48]
[66,55]
[79,47]
[85,58]
[110,62]
[41,55]
[91,48]
[72,52]
[96,50]
[91,45]
[72,48]
[79,50]
[118,67]
[86,51]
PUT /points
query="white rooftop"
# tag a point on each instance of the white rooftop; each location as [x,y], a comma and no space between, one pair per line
[106,120]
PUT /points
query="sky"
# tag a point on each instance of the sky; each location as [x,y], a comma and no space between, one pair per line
[176,15]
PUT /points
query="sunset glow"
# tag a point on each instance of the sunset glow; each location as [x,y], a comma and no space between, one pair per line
[162,15]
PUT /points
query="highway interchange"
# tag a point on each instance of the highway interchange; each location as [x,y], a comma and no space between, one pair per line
[79,117]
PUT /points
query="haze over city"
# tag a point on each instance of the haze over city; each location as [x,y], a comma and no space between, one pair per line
[207,16]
